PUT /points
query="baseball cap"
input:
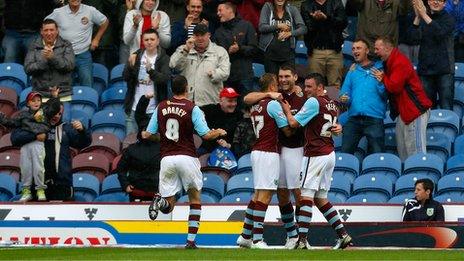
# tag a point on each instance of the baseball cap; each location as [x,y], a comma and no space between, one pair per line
[200,29]
[228,92]
[31,95]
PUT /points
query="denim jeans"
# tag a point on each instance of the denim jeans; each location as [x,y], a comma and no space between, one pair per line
[84,68]
[441,85]
[131,124]
[15,45]
[358,126]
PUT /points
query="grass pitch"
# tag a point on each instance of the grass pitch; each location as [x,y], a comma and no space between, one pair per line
[114,253]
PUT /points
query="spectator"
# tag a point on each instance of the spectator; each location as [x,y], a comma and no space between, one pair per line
[124,7]
[210,13]
[239,38]
[146,73]
[279,24]
[422,207]
[244,136]
[456,9]
[249,10]
[33,120]
[406,45]
[379,18]
[434,32]
[138,169]
[183,30]
[325,20]
[205,76]
[224,115]
[50,62]
[144,16]
[62,136]
[107,52]
[22,21]
[367,101]
[407,98]
[75,22]
[175,9]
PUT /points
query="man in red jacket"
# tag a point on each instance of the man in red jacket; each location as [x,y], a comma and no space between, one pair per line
[407,98]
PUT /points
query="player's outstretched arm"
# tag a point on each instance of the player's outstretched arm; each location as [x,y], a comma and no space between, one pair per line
[254,97]
[214,134]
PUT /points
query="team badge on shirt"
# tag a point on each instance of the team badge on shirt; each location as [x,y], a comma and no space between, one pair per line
[84,20]
[430,212]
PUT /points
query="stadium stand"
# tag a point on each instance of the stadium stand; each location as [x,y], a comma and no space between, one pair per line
[110,121]
[6,146]
[9,164]
[84,99]
[240,183]
[92,163]
[8,100]
[340,187]
[366,198]
[113,98]
[111,184]
[213,186]
[439,144]
[427,164]
[301,53]
[385,164]
[22,97]
[455,164]
[373,184]
[346,165]
[86,187]
[452,184]
[458,147]
[237,198]
[244,164]
[100,77]
[7,187]
[445,122]
[106,144]
[405,185]
[12,75]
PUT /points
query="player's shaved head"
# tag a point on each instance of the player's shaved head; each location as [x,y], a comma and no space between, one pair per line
[179,85]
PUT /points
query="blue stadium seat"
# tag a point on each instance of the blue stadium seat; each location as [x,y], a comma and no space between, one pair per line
[347,50]
[110,121]
[390,143]
[116,74]
[113,197]
[347,165]
[213,185]
[244,164]
[450,198]
[455,164]
[242,198]
[458,147]
[240,183]
[388,164]
[400,199]
[389,125]
[452,184]
[458,101]
[7,187]
[367,198]
[12,75]
[86,187]
[113,98]
[301,53]
[100,77]
[445,122]
[258,70]
[111,184]
[459,72]
[439,144]
[374,183]
[84,99]
[205,198]
[405,184]
[340,187]
[427,164]
[334,199]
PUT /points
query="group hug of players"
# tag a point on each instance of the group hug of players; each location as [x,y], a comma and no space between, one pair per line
[293,153]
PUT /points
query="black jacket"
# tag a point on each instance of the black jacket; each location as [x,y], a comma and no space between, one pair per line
[140,162]
[160,77]
[332,27]
[245,34]
[68,137]
[27,15]
[436,53]
[431,211]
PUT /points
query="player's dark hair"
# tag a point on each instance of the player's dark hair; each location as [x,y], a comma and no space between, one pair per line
[386,40]
[266,80]
[288,68]
[179,85]
[318,78]
[49,21]
[150,31]
[230,5]
[427,184]
[362,41]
